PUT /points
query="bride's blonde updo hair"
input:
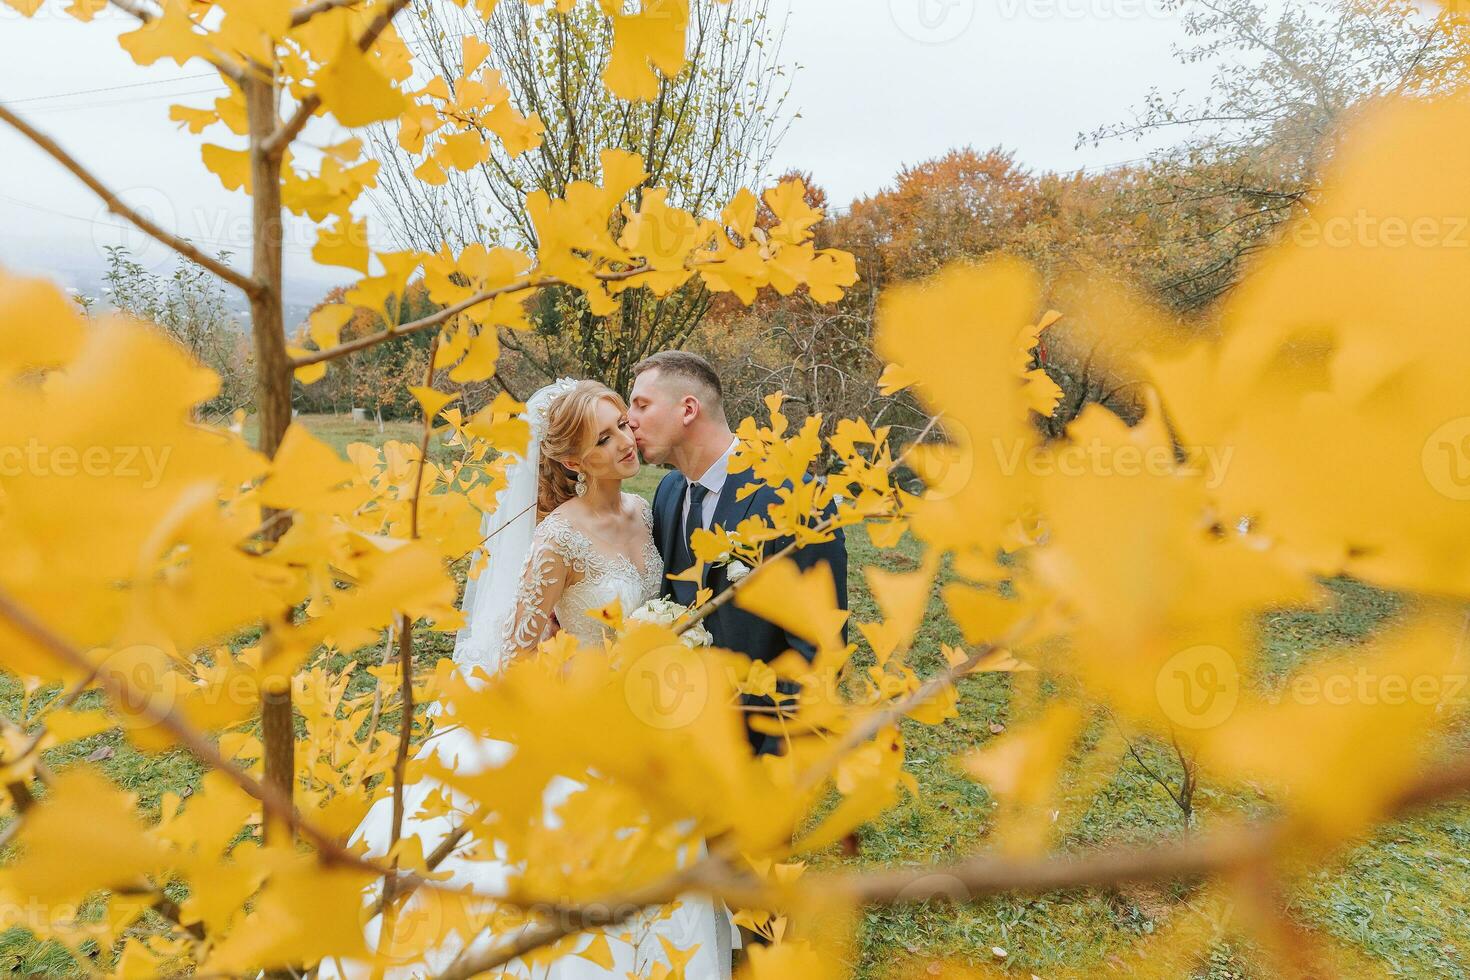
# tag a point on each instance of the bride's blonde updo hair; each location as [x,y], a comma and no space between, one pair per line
[569,426]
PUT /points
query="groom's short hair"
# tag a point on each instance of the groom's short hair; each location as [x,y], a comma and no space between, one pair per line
[697,374]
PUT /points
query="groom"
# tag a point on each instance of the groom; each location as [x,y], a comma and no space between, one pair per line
[677,413]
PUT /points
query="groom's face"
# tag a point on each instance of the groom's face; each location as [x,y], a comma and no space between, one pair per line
[655,413]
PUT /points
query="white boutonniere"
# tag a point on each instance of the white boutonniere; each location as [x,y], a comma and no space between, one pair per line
[735,569]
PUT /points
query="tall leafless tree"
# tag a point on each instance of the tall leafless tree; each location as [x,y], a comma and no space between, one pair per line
[1284,76]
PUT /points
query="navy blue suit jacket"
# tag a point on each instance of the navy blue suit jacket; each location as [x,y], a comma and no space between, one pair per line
[734,628]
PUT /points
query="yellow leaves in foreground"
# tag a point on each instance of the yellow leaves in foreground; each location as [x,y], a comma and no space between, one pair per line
[957,333]
[129,529]
[1338,381]
[653,720]
[345,245]
[1330,414]
[1138,570]
[232,167]
[109,482]
[799,601]
[1021,768]
[354,89]
[308,475]
[171,35]
[1366,719]
[23,304]
[86,835]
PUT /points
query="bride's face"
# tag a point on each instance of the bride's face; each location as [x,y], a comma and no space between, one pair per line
[610,453]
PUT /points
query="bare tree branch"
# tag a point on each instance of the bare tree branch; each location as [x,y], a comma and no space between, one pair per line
[301,15]
[206,751]
[277,142]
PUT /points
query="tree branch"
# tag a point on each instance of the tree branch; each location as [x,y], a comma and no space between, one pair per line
[277,142]
[975,878]
[706,610]
[117,689]
[448,313]
[405,649]
[301,15]
[142,13]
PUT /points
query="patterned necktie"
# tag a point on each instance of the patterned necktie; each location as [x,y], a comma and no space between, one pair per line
[694,519]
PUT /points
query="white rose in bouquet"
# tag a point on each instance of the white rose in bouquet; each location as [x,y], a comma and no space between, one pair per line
[667,612]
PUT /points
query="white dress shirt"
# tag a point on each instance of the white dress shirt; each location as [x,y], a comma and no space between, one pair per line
[714,481]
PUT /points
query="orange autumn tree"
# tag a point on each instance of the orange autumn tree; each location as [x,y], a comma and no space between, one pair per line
[965,203]
[221,600]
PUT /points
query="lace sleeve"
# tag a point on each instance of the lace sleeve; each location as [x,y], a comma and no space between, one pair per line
[645,509]
[548,571]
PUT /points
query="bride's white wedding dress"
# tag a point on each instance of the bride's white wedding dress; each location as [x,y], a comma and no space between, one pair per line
[560,549]
[504,616]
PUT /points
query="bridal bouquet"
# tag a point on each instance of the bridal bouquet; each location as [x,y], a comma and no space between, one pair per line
[667,612]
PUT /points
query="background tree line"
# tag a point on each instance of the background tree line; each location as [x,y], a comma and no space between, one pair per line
[1178,225]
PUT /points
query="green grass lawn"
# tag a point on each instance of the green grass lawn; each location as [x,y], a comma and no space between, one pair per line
[338,431]
[1404,897]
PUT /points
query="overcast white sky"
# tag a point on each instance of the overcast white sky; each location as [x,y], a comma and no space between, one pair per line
[881,83]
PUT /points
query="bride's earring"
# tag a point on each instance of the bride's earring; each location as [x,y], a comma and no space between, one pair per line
[581,484]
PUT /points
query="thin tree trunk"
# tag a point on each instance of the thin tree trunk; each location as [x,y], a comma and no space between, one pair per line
[273,385]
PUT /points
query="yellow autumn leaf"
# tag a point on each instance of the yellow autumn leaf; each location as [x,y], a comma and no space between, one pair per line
[1333,370]
[353,89]
[324,326]
[652,38]
[1022,768]
[500,424]
[85,835]
[344,244]
[802,602]
[195,120]
[955,334]
[474,51]
[170,35]
[903,596]
[431,400]
[795,217]
[24,303]
[232,167]
[307,474]
[275,934]
[598,951]
[481,355]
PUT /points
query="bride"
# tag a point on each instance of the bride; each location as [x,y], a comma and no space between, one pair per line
[564,539]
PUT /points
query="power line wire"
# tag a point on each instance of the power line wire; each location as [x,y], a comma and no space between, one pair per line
[111,88]
[52,110]
[169,81]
